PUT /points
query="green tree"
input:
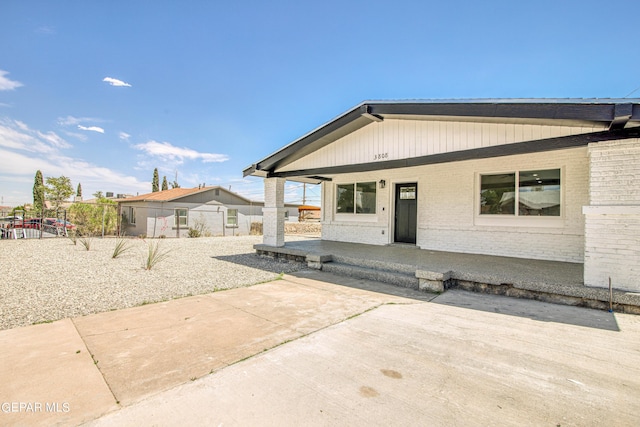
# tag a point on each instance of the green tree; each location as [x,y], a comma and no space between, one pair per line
[165,186]
[175,184]
[79,191]
[91,218]
[154,184]
[38,192]
[18,210]
[98,195]
[58,190]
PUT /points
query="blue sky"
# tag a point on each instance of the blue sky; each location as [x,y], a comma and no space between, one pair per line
[105,91]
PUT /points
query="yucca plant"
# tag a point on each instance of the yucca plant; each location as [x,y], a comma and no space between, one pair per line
[155,255]
[122,245]
[86,242]
[73,236]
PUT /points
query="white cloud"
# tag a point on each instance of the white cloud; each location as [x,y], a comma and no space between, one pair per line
[76,135]
[124,136]
[71,121]
[91,128]
[17,175]
[45,29]
[17,135]
[115,82]
[166,151]
[53,139]
[6,83]
[24,151]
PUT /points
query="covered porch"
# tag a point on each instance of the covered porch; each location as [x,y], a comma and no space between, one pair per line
[437,271]
[528,179]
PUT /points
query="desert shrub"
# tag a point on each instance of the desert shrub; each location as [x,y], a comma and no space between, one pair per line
[122,245]
[256,229]
[90,218]
[86,241]
[154,255]
[200,227]
[73,236]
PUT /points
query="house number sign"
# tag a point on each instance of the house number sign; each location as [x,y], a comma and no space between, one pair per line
[380,156]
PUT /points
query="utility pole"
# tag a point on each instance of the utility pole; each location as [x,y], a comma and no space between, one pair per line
[304,193]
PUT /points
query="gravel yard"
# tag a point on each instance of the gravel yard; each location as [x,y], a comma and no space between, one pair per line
[51,279]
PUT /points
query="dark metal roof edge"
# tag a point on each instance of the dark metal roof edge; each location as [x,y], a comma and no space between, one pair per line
[312,136]
[590,109]
[506,101]
[596,112]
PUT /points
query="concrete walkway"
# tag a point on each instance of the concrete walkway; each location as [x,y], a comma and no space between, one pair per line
[319,349]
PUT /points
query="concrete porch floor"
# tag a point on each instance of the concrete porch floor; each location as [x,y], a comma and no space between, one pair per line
[551,281]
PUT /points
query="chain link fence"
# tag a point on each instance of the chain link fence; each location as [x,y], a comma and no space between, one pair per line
[108,219]
[79,219]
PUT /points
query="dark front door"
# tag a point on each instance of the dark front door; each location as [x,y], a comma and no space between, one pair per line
[406,212]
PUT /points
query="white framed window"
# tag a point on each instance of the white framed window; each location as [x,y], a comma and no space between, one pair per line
[356,198]
[526,193]
[181,217]
[232,217]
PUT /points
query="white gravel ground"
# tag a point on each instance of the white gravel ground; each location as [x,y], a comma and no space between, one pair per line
[51,279]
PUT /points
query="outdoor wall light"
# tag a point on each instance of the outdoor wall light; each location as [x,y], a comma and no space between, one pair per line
[382,183]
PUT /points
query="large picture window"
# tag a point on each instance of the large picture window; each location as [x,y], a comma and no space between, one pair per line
[524,193]
[358,198]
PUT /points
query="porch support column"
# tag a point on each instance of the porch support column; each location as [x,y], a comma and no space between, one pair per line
[273,212]
[612,220]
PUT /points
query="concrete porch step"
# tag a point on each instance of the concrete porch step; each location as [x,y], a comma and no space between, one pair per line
[375,264]
[396,278]
[553,282]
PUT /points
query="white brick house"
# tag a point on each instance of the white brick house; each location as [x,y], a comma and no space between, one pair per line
[540,179]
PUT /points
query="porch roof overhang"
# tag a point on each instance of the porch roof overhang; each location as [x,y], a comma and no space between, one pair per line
[620,116]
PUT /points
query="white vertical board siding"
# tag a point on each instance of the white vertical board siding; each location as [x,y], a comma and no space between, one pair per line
[401,139]
[447,199]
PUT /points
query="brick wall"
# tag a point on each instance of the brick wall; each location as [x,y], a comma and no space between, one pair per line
[612,220]
[447,209]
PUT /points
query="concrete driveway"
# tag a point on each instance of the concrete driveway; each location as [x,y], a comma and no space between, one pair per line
[308,351]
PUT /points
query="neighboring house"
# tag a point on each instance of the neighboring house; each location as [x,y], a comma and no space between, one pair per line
[309,213]
[5,210]
[541,179]
[213,210]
